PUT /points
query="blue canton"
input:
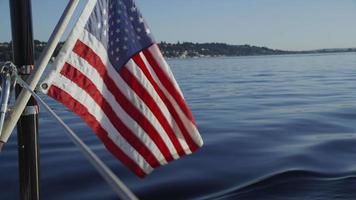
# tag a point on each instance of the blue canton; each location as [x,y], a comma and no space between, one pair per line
[119,26]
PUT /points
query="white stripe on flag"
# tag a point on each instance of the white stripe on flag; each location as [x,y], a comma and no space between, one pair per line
[95,110]
[135,70]
[192,130]
[70,42]
[83,66]
[164,66]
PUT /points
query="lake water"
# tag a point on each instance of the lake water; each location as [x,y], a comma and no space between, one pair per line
[275,127]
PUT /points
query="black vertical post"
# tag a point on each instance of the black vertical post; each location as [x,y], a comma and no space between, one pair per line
[27,126]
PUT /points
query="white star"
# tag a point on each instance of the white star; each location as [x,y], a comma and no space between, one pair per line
[140,19]
[125,47]
[111,33]
[118,21]
[99,25]
[133,9]
[117,49]
[126,30]
[105,22]
[104,32]
[104,11]
[125,38]
[117,31]
[131,18]
[139,29]
[117,40]
[148,31]
[117,58]
[139,37]
[112,52]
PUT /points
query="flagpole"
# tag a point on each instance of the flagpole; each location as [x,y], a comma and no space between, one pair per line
[34,78]
[27,125]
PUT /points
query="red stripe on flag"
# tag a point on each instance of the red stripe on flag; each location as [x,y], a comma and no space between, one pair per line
[90,56]
[192,145]
[87,85]
[83,112]
[94,60]
[135,85]
[168,84]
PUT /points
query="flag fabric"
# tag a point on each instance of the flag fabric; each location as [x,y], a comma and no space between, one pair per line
[112,74]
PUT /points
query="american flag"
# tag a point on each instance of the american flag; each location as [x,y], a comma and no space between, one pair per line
[112,74]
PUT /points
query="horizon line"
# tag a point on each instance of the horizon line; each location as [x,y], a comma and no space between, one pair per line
[226,43]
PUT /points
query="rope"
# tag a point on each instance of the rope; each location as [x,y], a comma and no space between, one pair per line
[119,187]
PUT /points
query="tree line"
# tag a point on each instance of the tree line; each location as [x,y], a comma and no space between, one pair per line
[189,49]
[6,49]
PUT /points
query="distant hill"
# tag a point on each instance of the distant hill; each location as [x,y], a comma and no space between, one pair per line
[188,49]
[6,49]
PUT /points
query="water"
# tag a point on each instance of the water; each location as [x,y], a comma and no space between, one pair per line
[275,127]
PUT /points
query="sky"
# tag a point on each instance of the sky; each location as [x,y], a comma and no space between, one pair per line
[277,24]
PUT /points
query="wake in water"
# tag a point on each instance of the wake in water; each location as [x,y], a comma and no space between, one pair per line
[295,185]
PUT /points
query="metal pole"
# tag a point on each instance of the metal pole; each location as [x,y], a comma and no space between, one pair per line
[27,126]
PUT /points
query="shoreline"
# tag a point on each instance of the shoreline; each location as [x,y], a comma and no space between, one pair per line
[188,50]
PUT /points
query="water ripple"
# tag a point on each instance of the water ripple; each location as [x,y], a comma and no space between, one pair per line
[294,184]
